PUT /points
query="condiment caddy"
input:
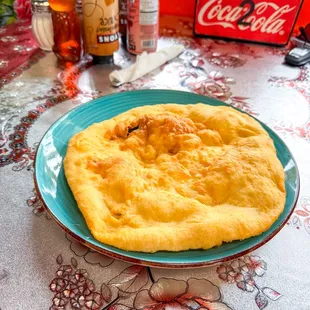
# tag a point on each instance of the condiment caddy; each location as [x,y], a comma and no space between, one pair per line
[73,27]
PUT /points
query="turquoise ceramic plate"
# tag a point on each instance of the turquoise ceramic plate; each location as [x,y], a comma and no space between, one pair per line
[55,192]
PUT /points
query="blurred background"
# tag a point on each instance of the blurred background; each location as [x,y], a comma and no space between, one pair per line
[10,10]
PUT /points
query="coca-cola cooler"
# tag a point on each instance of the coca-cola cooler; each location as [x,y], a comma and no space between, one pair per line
[270,22]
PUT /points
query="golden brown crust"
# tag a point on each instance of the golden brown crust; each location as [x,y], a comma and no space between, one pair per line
[175,177]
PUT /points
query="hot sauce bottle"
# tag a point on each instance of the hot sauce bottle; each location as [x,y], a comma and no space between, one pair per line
[101,26]
[142,25]
[123,20]
[67,35]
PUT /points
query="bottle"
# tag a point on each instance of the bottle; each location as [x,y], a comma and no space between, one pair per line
[123,20]
[67,35]
[41,24]
[79,9]
[100,19]
[142,25]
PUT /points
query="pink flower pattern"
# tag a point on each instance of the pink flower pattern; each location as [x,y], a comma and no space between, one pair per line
[243,271]
[73,289]
[91,257]
[301,216]
[37,205]
[220,60]
[181,295]
[302,85]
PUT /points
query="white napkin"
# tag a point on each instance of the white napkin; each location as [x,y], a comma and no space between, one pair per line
[144,64]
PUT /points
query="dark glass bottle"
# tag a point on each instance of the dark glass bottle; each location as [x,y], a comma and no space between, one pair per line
[123,20]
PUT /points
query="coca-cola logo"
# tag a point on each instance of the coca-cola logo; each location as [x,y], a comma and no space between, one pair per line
[265,17]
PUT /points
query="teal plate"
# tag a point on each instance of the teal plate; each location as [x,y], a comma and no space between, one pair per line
[52,186]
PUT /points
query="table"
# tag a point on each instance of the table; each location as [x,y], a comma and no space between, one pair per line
[41,267]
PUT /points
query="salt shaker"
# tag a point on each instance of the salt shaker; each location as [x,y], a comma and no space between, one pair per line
[42,26]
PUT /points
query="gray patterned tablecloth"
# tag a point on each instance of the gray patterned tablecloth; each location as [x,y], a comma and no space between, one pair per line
[43,268]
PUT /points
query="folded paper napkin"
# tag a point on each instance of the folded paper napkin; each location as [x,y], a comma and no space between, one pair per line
[144,64]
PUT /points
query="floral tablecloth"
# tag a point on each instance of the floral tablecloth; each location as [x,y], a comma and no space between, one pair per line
[41,267]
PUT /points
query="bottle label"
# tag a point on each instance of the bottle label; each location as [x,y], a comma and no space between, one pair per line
[142,25]
[107,30]
[123,12]
[123,17]
[148,12]
[101,26]
[101,39]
